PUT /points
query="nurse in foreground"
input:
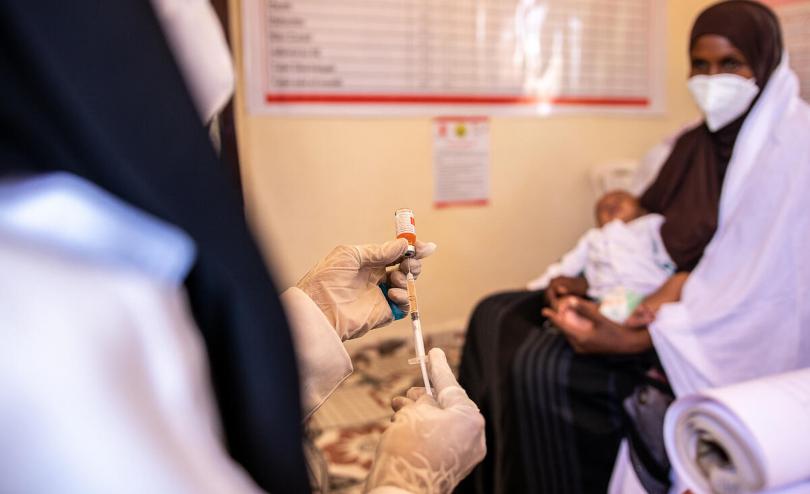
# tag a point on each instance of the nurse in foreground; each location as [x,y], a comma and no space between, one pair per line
[143,345]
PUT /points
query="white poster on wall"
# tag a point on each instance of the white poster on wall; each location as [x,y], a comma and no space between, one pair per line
[433,57]
[460,161]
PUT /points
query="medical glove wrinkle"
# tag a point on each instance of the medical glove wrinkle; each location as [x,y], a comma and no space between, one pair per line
[432,443]
[345,284]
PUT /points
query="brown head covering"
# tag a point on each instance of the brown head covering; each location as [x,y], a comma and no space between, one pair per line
[687,190]
[751,27]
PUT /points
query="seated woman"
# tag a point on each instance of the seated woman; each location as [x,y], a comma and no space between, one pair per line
[552,389]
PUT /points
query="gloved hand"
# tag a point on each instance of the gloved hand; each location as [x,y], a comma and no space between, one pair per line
[432,443]
[344,284]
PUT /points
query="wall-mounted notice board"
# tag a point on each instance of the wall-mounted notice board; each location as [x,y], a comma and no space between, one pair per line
[394,57]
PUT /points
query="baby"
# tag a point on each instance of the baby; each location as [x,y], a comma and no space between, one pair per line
[623,260]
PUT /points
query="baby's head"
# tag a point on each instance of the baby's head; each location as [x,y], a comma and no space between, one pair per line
[617,205]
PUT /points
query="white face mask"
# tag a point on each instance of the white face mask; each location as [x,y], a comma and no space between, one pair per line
[197,41]
[722,97]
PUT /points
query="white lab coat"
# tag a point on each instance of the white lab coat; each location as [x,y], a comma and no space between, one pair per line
[104,381]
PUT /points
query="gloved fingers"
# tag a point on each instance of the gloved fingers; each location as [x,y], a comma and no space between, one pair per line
[414,264]
[415,393]
[455,398]
[412,396]
[441,376]
[446,389]
[426,399]
[400,402]
[399,297]
[397,279]
[378,255]
[397,292]
[424,249]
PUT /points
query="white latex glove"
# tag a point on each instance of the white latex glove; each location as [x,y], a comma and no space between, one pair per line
[432,443]
[344,285]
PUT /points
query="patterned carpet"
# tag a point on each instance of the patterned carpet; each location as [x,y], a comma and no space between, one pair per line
[345,431]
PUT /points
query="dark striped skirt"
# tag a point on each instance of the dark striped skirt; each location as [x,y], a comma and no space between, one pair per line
[554,417]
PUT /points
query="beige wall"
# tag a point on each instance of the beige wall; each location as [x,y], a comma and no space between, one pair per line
[312,183]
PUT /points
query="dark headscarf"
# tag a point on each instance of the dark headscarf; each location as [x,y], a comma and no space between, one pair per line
[687,190]
[751,27]
[90,87]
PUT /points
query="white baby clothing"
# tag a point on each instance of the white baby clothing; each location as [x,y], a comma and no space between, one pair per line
[630,256]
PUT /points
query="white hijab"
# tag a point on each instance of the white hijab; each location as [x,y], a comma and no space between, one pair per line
[745,310]
[195,36]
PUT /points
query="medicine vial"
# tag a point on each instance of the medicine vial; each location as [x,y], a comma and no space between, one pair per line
[406,228]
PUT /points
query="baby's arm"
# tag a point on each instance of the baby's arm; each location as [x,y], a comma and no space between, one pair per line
[670,291]
[570,265]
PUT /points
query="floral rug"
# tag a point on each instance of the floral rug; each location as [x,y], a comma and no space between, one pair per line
[345,431]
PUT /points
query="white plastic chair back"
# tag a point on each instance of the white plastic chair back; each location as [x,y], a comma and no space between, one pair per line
[613,175]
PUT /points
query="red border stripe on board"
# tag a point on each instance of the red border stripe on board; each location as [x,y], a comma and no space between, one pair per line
[461,118]
[408,99]
[473,202]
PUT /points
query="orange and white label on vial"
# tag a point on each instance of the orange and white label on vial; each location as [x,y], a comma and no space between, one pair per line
[405,223]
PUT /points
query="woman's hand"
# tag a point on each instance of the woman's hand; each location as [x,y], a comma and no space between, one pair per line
[644,314]
[588,331]
[565,285]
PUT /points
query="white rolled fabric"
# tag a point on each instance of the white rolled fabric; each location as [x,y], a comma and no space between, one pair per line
[759,432]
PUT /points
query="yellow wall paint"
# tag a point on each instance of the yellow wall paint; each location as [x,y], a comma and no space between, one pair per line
[312,183]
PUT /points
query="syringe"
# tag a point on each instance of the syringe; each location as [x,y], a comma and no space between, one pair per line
[419,342]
